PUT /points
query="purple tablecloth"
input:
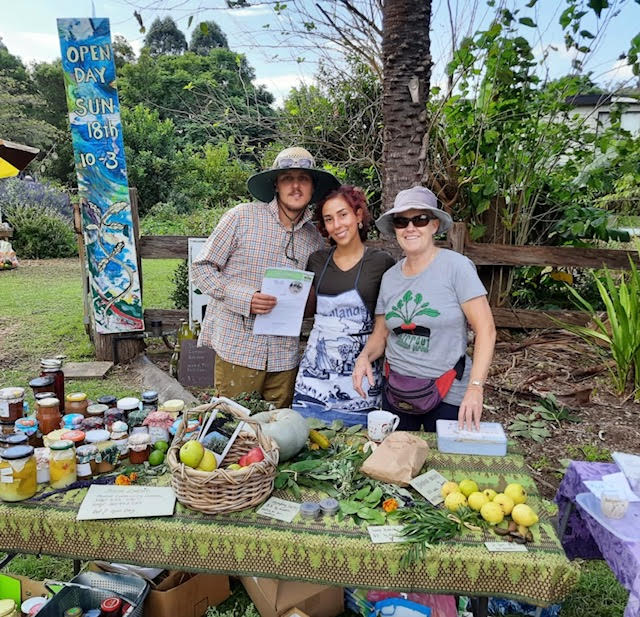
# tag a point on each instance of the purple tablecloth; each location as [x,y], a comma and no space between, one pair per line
[585,537]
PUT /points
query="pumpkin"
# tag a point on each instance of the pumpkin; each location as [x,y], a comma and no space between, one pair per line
[287,427]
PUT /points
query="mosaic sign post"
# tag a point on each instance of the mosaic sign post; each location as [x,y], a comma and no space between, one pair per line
[94,116]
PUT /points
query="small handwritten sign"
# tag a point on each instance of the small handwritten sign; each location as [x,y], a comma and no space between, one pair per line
[195,367]
[429,485]
[385,534]
[280,509]
[505,547]
[106,502]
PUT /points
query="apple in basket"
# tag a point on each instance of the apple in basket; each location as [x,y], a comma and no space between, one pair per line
[191,453]
[255,455]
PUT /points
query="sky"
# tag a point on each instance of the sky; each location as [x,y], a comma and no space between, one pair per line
[28,30]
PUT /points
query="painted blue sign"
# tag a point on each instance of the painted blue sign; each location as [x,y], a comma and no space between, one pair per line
[96,131]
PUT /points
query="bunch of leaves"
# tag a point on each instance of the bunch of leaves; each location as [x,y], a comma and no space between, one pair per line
[424,526]
[253,401]
[529,426]
[590,453]
[619,334]
[550,409]
[362,506]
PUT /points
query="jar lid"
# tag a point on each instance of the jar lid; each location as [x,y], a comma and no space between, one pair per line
[61,444]
[87,449]
[110,605]
[139,439]
[128,403]
[13,439]
[76,397]
[48,402]
[74,611]
[119,427]
[97,435]
[49,438]
[97,409]
[173,405]
[7,607]
[42,395]
[40,382]
[26,425]
[73,436]
[51,363]
[72,419]
[107,399]
[16,452]
[9,394]
[149,396]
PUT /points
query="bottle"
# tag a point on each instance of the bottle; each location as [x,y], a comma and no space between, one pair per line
[175,358]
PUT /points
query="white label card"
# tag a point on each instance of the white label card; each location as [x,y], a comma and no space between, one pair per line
[384,534]
[280,509]
[4,408]
[6,475]
[505,547]
[429,485]
[106,502]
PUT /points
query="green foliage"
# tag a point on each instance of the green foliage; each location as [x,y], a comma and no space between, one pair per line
[122,51]
[165,38]
[551,410]
[589,452]
[180,293]
[165,220]
[619,334]
[529,426]
[207,35]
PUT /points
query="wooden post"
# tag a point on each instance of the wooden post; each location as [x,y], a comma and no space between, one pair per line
[457,237]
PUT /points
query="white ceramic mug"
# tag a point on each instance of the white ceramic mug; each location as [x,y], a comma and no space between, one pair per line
[381,424]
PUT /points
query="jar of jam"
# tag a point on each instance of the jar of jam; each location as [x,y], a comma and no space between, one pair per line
[52,367]
[13,439]
[96,436]
[62,464]
[42,395]
[72,421]
[111,607]
[173,406]
[76,402]
[86,461]
[150,400]
[120,435]
[108,400]
[53,436]
[42,464]
[6,428]
[48,414]
[92,423]
[107,456]
[42,384]
[96,410]
[11,404]
[76,437]
[128,404]
[111,416]
[139,448]
[18,474]
[29,426]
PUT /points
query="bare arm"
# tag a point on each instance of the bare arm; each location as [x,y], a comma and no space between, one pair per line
[371,352]
[480,318]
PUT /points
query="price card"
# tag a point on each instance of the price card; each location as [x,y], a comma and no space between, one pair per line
[280,509]
[384,534]
[429,485]
[505,547]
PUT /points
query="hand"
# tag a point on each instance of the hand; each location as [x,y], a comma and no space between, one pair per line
[470,409]
[362,367]
[261,304]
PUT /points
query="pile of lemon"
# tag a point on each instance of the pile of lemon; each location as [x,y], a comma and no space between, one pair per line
[493,506]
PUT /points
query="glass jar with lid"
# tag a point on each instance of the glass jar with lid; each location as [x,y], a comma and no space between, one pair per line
[13,439]
[96,410]
[48,414]
[107,399]
[11,404]
[18,474]
[107,457]
[76,402]
[86,461]
[52,367]
[72,421]
[42,384]
[139,448]
[128,404]
[53,436]
[29,426]
[62,464]
[113,415]
[76,437]
[149,400]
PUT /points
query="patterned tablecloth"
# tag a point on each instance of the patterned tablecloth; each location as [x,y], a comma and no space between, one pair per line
[326,551]
[585,537]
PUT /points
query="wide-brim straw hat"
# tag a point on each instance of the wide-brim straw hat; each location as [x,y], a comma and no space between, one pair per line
[263,184]
[418,198]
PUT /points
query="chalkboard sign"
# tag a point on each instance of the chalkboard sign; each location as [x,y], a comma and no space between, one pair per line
[195,367]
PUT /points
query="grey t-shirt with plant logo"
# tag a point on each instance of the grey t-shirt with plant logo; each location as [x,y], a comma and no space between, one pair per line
[427,327]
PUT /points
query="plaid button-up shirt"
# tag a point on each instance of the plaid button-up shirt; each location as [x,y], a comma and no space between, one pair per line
[248,239]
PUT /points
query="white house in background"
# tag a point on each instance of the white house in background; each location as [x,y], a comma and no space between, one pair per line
[595,108]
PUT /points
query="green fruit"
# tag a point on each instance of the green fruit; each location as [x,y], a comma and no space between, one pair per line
[467,487]
[163,446]
[156,458]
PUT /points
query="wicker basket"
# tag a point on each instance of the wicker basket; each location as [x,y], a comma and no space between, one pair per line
[225,490]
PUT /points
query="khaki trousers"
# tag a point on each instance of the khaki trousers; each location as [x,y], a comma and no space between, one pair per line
[276,387]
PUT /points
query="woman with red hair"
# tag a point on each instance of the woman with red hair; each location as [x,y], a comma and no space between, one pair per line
[346,283]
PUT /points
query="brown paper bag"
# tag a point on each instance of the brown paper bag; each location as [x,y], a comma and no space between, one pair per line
[398,459]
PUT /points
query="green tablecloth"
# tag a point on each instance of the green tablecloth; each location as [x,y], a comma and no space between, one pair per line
[324,552]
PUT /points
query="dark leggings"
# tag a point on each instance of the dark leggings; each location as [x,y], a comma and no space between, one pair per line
[416,422]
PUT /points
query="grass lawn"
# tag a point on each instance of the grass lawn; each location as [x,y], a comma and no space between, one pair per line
[41,315]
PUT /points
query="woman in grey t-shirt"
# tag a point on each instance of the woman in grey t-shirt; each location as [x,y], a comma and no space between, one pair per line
[425,304]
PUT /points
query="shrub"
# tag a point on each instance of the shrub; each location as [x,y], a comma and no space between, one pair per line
[165,220]
[180,292]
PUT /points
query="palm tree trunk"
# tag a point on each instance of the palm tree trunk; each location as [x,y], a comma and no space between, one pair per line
[407,70]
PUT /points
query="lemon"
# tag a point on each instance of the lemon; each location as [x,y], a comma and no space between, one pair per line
[492,513]
[234,466]
[453,501]
[477,500]
[449,487]
[156,458]
[208,462]
[524,515]
[516,492]
[505,502]
[467,487]
[490,493]
[163,446]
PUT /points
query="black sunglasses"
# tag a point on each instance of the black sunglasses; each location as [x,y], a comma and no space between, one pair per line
[419,220]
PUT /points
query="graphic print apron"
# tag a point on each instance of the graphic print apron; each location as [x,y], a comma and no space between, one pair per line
[324,388]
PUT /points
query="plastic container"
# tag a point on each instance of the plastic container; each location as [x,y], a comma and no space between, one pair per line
[329,506]
[490,440]
[310,510]
[18,477]
[11,404]
[62,464]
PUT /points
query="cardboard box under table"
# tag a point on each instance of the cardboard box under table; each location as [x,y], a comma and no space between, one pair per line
[274,598]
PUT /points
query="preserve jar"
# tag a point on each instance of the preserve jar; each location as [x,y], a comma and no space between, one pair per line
[18,474]
[76,437]
[96,436]
[96,410]
[111,416]
[48,414]
[139,448]
[11,404]
[92,423]
[56,435]
[107,456]
[52,367]
[42,464]
[108,399]
[6,428]
[173,406]
[128,404]
[150,400]
[76,402]
[42,384]
[13,439]
[62,464]
[86,461]
[119,435]
[29,426]
[72,421]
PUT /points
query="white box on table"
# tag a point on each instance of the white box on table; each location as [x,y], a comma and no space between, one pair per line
[490,440]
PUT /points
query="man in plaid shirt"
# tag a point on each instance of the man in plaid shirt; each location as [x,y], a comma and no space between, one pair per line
[274,231]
